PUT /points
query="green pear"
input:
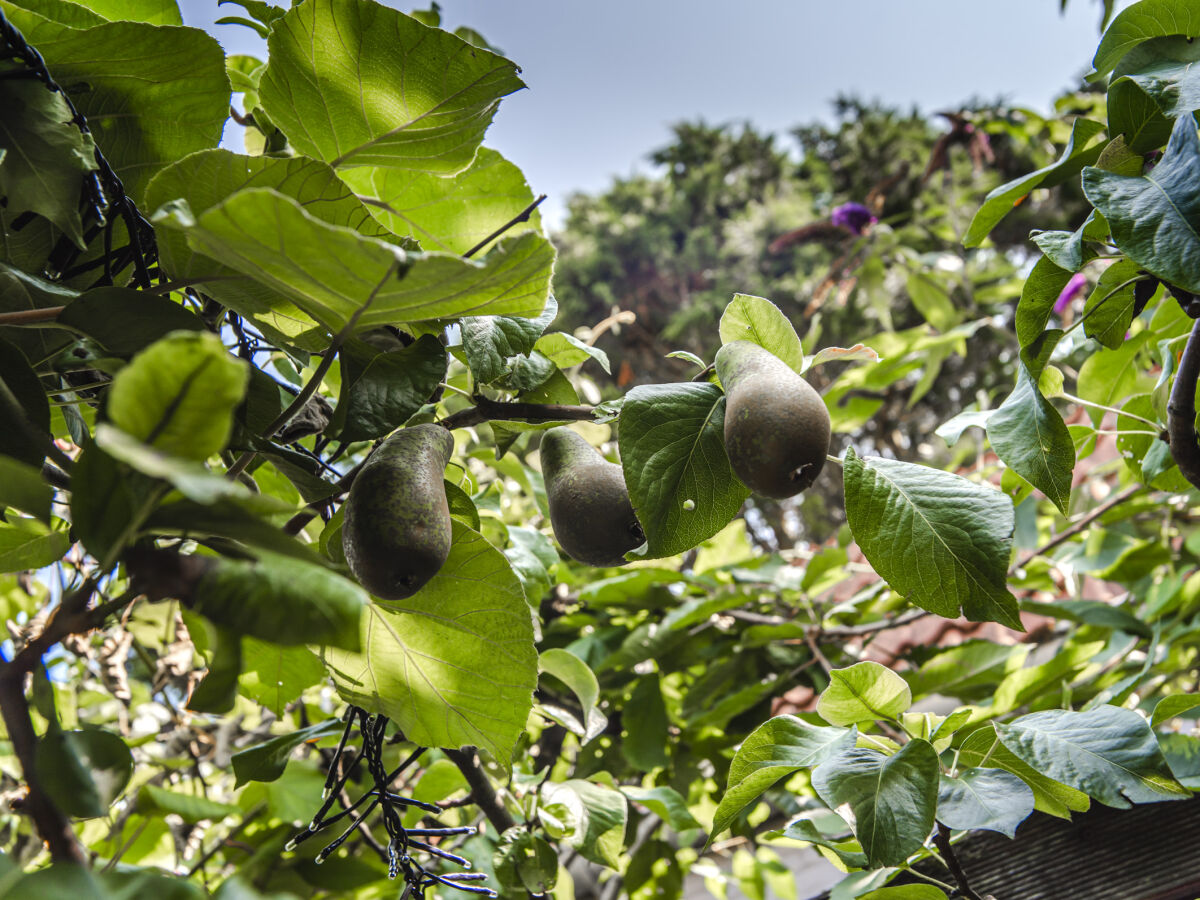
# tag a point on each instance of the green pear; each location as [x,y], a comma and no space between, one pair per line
[590,510]
[396,533]
[776,425]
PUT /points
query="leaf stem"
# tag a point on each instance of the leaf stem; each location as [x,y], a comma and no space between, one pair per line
[1112,409]
[522,216]
[1067,533]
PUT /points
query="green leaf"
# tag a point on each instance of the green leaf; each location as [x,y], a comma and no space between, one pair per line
[188,807]
[280,599]
[906,892]
[57,880]
[83,772]
[1042,288]
[1142,22]
[982,747]
[1108,752]
[1133,115]
[666,803]
[490,341]
[989,799]
[178,395]
[448,214]
[1164,71]
[1109,377]
[774,750]
[28,544]
[380,396]
[204,180]
[266,761]
[566,350]
[863,692]
[1029,435]
[525,861]
[1173,705]
[275,676]
[893,798]
[941,541]
[758,320]
[21,487]
[597,816]
[673,455]
[43,155]
[1155,218]
[24,409]
[190,478]
[218,691]
[453,665]
[124,321]
[353,83]
[330,272]
[646,722]
[971,664]
[1065,249]
[575,674]
[154,12]
[803,828]
[932,301]
[1109,308]
[1082,149]
[173,77]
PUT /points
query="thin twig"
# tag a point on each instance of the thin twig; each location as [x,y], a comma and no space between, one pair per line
[522,216]
[481,788]
[31,316]
[942,841]
[1067,533]
[1181,410]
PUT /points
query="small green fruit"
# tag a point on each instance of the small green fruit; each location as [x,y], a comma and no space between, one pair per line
[776,426]
[590,511]
[396,533]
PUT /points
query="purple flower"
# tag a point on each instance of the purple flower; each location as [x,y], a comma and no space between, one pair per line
[1074,288]
[853,216]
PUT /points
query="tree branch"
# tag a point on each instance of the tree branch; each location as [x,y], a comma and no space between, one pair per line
[486,410]
[1181,410]
[942,840]
[481,789]
[31,316]
[72,617]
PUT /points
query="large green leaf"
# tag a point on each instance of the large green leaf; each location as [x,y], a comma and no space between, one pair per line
[24,409]
[28,544]
[85,771]
[1142,22]
[203,180]
[1029,435]
[1109,308]
[282,600]
[453,665]
[491,341]
[330,272]
[1038,295]
[990,799]
[354,83]
[1155,218]
[1165,71]
[863,692]
[982,748]
[174,78]
[449,214]
[22,488]
[941,541]
[178,395]
[673,455]
[893,798]
[1109,753]
[43,155]
[1133,115]
[758,320]
[595,814]
[189,807]
[124,321]
[380,392]
[266,761]
[1083,148]
[156,12]
[774,750]
[276,676]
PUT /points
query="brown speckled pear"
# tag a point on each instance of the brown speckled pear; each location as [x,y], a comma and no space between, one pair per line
[776,426]
[590,511]
[396,533]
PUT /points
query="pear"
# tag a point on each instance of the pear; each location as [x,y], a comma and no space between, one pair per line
[590,510]
[776,425]
[396,533]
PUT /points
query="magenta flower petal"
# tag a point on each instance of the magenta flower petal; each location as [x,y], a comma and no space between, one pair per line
[853,217]
[1074,288]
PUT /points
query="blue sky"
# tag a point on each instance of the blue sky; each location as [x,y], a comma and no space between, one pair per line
[606,79]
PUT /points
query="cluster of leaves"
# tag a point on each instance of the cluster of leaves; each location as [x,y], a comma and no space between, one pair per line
[179,422]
